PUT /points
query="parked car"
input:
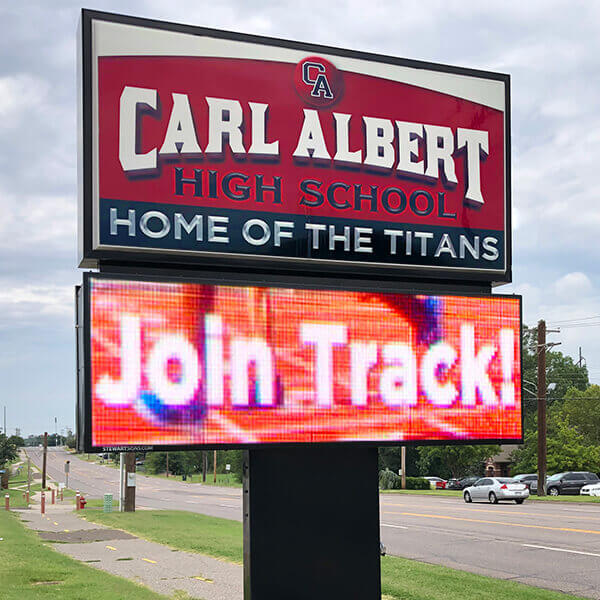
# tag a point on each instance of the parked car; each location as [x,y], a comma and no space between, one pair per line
[494,489]
[436,483]
[569,482]
[590,489]
[461,484]
[529,479]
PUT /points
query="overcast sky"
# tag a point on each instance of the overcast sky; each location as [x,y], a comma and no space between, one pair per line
[551,50]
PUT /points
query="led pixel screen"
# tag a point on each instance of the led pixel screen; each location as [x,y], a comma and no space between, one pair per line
[177,364]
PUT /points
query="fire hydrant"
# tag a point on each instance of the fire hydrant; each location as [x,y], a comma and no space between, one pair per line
[82,502]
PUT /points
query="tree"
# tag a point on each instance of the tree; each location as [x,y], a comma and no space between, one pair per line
[17,440]
[561,371]
[390,458]
[180,463]
[454,461]
[581,410]
[8,450]
[567,448]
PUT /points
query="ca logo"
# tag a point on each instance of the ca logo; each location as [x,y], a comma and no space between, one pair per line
[318,82]
[314,74]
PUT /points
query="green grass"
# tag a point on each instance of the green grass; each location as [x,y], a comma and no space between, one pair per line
[30,569]
[455,493]
[401,579]
[193,532]
[99,503]
[16,499]
[565,498]
[223,479]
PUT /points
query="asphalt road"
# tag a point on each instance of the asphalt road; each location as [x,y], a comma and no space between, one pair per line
[556,546]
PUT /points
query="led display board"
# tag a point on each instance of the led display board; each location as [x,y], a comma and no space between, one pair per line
[177,364]
[212,147]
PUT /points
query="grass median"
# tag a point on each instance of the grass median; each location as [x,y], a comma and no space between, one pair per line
[401,579]
[30,569]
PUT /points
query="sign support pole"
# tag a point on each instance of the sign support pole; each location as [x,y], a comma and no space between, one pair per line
[299,543]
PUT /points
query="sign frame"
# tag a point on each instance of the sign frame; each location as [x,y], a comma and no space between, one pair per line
[84,330]
[91,254]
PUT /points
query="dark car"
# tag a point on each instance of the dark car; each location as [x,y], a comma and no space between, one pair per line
[529,479]
[461,484]
[569,482]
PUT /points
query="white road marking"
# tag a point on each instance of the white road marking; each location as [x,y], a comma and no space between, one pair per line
[394,526]
[559,549]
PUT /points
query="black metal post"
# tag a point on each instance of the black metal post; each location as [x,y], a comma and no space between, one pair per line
[311,524]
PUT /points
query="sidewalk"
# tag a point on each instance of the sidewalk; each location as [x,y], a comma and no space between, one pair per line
[158,567]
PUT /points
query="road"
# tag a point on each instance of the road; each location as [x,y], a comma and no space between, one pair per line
[555,546]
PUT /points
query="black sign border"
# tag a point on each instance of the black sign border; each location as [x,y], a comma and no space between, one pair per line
[85,371]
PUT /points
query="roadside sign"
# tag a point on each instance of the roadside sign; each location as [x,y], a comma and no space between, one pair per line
[61,485]
[67,466]
[404,391]
[228,467]
[130,479]
[401,167]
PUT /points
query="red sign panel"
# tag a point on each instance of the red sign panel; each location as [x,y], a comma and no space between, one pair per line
[252,149]
[186,364]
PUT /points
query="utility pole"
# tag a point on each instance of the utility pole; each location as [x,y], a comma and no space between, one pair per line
[45,451]
[28,477]
[403,465]
[6,434]
[167,464]
[215,467]
[581,359]
[204,465]
[542,391]
[55,432]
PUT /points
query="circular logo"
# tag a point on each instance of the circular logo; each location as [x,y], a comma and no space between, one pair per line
[318,82]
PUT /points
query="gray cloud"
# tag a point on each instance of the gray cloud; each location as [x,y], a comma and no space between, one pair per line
[551,50]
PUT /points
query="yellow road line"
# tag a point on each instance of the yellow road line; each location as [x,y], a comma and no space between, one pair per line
[149,561]
[508,512]
[202,579]
[409,514]
[66,531]
[55,523]
[111,548]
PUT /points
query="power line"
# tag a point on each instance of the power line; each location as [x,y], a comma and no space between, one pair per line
[580,319]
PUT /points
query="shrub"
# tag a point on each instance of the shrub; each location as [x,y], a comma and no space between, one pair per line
[417,483]
[388,480]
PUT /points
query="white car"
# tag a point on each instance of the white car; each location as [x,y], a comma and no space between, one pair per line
[493,489]
[591,489]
